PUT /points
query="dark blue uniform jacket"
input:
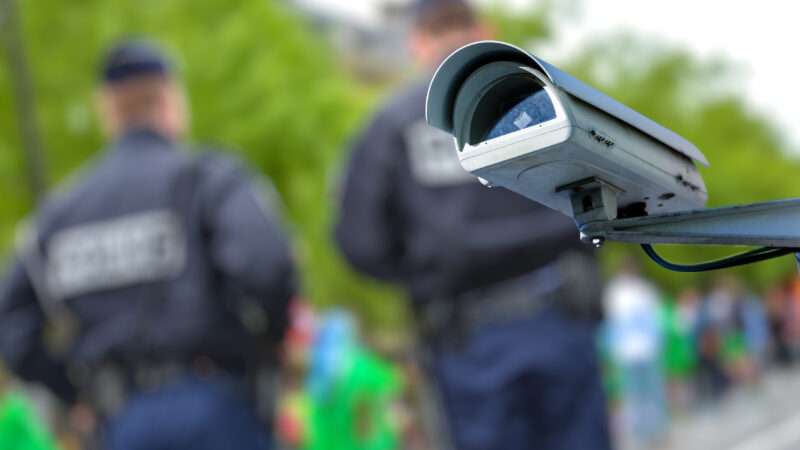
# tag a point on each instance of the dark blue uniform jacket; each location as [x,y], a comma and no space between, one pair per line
[153,253]
[411,215]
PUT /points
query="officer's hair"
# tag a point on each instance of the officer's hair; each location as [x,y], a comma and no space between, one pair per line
[137,100]
[452,17]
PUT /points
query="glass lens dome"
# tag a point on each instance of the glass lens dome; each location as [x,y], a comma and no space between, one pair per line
[533,110]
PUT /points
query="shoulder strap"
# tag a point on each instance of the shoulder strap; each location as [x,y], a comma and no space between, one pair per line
[203,181]
[30,255]
[218,175]
[61,325]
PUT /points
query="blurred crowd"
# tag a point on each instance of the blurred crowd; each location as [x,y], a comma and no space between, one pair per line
[669,355]
[664,356]
[340,392]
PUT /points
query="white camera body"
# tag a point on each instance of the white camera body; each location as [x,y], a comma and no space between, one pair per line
[522,124]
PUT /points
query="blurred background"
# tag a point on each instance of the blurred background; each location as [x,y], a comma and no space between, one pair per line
[286,83]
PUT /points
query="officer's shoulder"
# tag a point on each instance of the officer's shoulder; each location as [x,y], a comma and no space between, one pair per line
[404,107]
[223,171]
[220,170]
[65,195]
[215,162]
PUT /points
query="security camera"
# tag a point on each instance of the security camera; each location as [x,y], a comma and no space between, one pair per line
[521,123]
[525,125]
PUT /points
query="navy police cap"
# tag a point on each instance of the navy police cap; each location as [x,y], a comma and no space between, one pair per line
[134,58]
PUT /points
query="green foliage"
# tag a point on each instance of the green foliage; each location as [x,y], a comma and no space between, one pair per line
[15,197]
[519,27]
[699,100]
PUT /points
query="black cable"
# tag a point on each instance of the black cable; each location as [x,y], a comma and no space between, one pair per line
[753,256]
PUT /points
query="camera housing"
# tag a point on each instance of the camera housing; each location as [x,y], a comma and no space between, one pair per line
[525,125]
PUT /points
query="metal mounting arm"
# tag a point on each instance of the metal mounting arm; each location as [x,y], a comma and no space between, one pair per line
[769,224]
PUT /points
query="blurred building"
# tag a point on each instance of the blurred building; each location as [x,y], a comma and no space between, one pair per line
[372,47]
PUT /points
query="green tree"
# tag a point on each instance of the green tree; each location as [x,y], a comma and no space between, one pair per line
[522,27]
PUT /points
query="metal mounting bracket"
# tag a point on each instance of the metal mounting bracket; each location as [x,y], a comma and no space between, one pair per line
[769,224]
[592,199]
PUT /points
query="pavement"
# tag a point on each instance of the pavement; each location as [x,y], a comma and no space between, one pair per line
[762,417]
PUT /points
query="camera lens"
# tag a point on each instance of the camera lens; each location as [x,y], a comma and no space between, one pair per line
[500,98]
[534,110]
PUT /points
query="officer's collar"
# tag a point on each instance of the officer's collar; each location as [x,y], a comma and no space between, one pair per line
[143,137]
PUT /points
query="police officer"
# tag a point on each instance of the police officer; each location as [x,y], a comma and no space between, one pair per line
[142,270]
[505,294]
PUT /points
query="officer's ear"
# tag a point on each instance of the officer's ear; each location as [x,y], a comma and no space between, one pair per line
[176,116]
[484,32]
[106,112]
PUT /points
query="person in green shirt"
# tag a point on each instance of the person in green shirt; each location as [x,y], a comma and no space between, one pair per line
[679,319]
[20,429]
[352,392]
